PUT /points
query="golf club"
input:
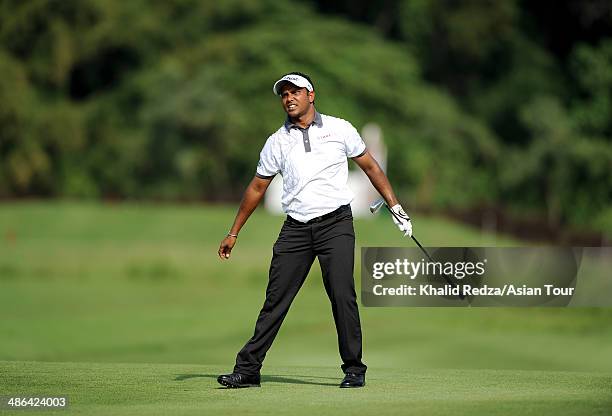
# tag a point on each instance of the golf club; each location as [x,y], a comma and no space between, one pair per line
[375,207]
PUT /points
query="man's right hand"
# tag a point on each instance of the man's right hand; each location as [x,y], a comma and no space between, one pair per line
[226,247]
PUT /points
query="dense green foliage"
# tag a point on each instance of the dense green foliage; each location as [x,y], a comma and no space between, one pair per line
[172,100]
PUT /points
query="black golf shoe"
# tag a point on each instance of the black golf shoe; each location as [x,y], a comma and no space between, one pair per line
[353,380]
[237,380]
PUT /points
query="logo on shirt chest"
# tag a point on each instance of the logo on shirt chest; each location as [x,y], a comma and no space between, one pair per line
[325,136]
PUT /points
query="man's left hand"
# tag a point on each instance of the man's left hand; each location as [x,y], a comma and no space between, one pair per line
[402,220]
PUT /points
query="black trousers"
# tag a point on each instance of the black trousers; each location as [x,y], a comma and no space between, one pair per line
[331,239]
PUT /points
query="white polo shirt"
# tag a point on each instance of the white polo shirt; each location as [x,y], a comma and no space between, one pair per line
[313,164]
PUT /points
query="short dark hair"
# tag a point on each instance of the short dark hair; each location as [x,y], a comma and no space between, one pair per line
[302,75]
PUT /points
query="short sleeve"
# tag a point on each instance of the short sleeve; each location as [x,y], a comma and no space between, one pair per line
[268,166]
[354,143]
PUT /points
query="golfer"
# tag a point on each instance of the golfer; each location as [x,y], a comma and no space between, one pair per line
[310,151]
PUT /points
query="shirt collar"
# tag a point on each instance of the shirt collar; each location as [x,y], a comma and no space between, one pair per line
[318,121]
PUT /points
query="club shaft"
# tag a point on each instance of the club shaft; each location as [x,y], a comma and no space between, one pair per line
[446,278]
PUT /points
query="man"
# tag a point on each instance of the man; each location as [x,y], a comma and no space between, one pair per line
[310,151]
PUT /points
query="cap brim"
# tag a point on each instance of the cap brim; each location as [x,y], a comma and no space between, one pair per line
[279,84]
[296,80]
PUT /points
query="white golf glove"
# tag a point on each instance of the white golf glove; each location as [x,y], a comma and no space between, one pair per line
[402,220]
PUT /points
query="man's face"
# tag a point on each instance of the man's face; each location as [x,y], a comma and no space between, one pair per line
[296,100]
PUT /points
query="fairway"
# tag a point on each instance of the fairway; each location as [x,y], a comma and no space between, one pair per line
[124,309]
[161,389]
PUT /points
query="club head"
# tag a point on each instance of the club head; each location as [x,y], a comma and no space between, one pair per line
[376,205]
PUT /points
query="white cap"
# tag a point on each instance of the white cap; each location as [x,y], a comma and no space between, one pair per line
[297,80]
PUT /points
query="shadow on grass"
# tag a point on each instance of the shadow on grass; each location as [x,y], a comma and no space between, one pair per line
[264,379]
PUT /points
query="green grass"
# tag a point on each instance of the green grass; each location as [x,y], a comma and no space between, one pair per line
[142,286]
[178,389]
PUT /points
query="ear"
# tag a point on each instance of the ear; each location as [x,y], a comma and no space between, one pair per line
[311,97]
